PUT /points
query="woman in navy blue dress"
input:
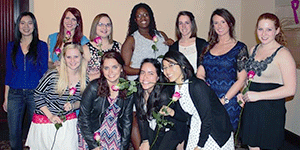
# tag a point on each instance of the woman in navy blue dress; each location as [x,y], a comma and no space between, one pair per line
[222,63]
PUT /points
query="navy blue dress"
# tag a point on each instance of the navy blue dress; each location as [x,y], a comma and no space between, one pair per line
[221,74]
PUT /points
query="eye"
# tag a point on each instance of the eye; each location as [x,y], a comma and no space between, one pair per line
[76,56]
[106,68]
[115,67]
[74,19]
[269,29]
[223,21]
[259,29]
[68,57]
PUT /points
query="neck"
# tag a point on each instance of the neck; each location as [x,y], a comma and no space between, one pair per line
[26,39]
[72,72]
[270,44]
[144,30]
[225,38]
[185,37]
[105,40]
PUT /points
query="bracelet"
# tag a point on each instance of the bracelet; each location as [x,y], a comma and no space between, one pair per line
[226,100]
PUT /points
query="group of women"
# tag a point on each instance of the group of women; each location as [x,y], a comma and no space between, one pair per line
[208,76]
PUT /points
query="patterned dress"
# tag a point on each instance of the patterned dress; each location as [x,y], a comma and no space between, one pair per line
[94,63]
[221,74]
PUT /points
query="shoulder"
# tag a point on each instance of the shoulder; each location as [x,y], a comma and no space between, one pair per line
[51,74]
[174,46]
[42,43]
[250,51]
[284,55]
[200,40]
[53,35]
[129,40]
[198,83]
[84,40]
[10,44]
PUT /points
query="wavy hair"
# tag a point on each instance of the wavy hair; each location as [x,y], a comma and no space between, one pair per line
[32,49]
[63,80]
[193,22]
[93,32]
[213,37]
[280,37]
[153,102]
[78,33]
[103,89]
[132,26]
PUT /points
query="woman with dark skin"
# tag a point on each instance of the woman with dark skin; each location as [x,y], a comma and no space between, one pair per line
[138,45]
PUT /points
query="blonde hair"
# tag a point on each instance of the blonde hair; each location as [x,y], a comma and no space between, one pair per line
[63,81]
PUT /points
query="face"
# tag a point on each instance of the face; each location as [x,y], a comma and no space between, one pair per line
[112,71]
[220,25]
[185,25]
[142,18]
[70,22]
[73,58]
[26,26]
[172,71]
[266,31]
[104,27]
[148,76]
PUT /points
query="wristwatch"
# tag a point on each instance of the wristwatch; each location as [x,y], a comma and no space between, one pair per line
[226,100]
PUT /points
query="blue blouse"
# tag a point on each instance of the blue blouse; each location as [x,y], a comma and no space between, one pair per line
[52,42]
[26,75]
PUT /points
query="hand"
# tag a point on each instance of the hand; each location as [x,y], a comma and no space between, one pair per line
[56,63]
[169,42]
[169,110]
[197,148]
[222,100]
[5,105]
[55,119]
[145,145]
[68,106]
[250,96]
[240,100]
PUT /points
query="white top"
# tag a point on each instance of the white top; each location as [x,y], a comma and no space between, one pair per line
[190,52]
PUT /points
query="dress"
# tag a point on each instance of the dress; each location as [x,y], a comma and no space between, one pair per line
[263,121]
[94,63]
[221,74]
[195,124]
[143,49]
[42,131]
[52,42]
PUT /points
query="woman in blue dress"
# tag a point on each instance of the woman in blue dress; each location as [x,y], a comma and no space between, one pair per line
[222,64]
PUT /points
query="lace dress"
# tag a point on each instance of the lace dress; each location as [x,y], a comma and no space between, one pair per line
[263,121]
[221,73]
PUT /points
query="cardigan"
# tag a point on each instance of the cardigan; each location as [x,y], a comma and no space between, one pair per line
[92,113]
[200,45]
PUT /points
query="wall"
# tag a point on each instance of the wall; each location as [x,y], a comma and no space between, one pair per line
[48,14]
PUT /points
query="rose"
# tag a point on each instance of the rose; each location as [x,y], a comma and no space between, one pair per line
[250,75]
[98,40]
[97,136]
[72,91]
[176,96]
[57,51]
[115,87]
[155,39]
[68,34]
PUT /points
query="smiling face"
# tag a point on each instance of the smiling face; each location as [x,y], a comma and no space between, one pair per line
[266,31]
[70,22]
[220,25]
[185,25]
[73,58]
[112,71]
[172,71]
[104,27]
[142,18]
[26,26]
[148,77]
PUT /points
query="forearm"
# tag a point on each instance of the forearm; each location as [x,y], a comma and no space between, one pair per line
[234,89]
[46,111]
[131,71]
[278,93]
[76,105]
[6,92]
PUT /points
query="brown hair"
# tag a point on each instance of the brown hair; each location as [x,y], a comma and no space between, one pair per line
[193,22]
[280,38]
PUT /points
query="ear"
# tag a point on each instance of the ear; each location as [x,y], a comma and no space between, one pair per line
[278,30]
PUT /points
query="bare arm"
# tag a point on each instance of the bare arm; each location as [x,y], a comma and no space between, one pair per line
[201,72]
[168,41]
[5,98]
[287,67]
[86,53]
[126,52]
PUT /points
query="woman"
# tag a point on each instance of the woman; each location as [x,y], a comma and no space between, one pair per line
[263,118]
[188,43]
[102,105]
[26,62]
[55,97]
[222,65]
[70,23]
[209,125]
[139,40]
[138,45]
[147,100]
[101,28]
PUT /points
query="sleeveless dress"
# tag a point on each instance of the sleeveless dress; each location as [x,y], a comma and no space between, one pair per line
[262,122]
[94,63]
[221,74]
[143,49]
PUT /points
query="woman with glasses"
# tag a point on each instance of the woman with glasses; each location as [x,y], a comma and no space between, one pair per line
[101,40]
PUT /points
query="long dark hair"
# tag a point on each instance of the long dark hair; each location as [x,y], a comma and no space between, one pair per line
[132,26]
[32,52]
[103,89]
[153,102]
[182,61]
[213,37]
